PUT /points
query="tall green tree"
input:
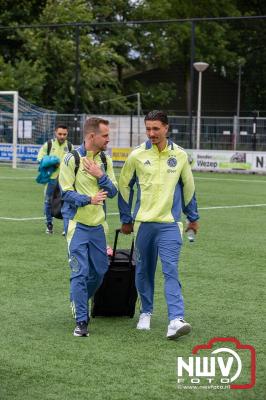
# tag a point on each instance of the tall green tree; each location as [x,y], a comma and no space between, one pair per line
[249,37]
[48,55]
[41,63]
[165,44]
[13,14]
[121,38]
[56,49]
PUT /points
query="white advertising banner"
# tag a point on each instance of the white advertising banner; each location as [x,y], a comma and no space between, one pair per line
[233,161]
[201,160]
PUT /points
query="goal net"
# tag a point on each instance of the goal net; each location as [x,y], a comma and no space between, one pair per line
[23,127]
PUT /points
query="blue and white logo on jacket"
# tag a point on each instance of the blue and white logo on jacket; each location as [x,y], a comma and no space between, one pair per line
[171,162]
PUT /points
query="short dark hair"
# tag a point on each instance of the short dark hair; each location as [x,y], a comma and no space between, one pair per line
[61,126]
[92,124]
[157,115]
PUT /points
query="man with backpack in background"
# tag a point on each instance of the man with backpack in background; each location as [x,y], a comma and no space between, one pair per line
[57,147]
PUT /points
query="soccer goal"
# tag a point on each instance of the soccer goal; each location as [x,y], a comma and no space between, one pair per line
[23,127]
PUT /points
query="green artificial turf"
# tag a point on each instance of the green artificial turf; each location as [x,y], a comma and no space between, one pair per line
[223,278]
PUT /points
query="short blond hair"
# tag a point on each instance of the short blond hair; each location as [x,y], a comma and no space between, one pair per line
[93,125]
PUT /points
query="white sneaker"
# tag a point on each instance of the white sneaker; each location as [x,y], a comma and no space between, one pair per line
[144,321]
[178,327]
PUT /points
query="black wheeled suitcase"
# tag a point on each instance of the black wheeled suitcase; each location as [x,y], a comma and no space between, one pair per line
[117,294]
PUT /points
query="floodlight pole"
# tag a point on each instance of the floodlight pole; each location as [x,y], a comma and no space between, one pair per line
[238,90]
[241,63]
[254,130]
[138,107]
[200,67]
[77,81]
[191,91]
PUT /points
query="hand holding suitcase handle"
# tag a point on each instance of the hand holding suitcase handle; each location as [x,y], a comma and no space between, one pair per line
[127,229]
[115,245]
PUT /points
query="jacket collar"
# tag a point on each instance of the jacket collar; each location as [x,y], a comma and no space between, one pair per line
[148,145]
[82,151]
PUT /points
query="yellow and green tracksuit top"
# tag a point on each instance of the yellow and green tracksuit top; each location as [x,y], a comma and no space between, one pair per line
[165,185]
[58,150]
[78,189]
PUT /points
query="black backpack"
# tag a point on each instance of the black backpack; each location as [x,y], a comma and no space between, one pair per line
[49,146]
[57,201]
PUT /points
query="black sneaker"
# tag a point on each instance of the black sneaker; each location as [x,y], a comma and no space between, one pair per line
[49,229]
[81,329]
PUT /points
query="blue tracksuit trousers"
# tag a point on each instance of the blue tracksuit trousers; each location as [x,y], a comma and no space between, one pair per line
[163,239]
[48,200]
[88,263]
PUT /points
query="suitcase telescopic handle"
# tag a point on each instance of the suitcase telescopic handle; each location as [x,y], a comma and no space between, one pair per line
[117,231]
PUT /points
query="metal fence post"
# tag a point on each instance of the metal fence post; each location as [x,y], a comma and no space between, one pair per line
[254,130]
[235,131]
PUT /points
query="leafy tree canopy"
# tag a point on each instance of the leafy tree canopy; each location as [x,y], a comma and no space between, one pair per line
[42,65]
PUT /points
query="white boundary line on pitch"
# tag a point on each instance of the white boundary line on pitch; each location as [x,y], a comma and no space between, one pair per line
[239,206]
[195,177]
[8,178]
[230,179]
[21,219]
[116,213]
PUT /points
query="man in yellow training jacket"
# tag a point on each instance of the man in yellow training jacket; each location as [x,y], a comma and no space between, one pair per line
[165,187]
[85,191]
[58,147]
